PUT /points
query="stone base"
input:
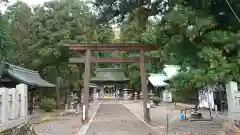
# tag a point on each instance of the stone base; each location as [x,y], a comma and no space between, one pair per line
[199,119]
[24,129]
[125,97]
[70,112]
[196,115]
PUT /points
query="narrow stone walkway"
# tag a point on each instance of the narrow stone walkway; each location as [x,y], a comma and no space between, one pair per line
[112,118]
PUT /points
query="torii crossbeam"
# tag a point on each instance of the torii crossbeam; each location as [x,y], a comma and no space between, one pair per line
[112,60]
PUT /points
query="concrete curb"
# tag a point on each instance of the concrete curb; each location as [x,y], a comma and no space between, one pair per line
[183,105]
[40,120]
[140,118]
[45,118]
[84,128]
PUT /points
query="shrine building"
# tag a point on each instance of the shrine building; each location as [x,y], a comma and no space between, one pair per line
[111,81]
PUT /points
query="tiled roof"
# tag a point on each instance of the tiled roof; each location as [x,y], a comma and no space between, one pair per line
[109,74]
[23,75]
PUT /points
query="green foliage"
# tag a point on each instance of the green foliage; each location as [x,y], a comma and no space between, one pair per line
[208,51]
[134,32]
[193,39]
[17,16]
[156,100]
[5,45]
[48,105]
[38,35]
[52,23]
[105,34]
[201,36]
[5,39]
[118,10]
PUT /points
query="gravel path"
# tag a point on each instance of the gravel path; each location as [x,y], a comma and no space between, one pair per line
[60,126]
[63,125]
[112,118]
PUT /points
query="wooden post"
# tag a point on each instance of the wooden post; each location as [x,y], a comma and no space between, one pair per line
[167,124]
[30,107]
[86,86]
[144,87]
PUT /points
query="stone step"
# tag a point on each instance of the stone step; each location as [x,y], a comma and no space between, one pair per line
[195,124]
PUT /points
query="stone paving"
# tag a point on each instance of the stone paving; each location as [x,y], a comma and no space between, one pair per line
[63,125]
[175,126]
[112,118]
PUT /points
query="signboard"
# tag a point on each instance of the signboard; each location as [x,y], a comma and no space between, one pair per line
[148,105]
[206,99]
[167,96]
[83,112]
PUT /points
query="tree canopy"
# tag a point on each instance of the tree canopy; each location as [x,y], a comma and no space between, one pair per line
[120,9]
[200,36]
[34,38]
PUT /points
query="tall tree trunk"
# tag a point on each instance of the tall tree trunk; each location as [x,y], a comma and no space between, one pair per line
[197,102]
[67,92]
[79,84]
[80,93]
[43,75]
[57,88]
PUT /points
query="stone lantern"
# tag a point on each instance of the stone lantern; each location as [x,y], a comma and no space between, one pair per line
[75,102]
[130,96]
[135,96]
[125,93]
[141,95]
[151,96]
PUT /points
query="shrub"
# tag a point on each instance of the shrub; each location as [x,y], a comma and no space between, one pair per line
[156,100]
[48,105]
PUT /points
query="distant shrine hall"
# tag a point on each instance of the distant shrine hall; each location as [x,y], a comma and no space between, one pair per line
[110,81]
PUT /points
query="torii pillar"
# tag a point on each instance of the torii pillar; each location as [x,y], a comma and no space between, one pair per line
[86,86]
[146,111]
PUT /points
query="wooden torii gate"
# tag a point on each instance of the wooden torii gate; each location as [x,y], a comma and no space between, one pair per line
[88,59]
